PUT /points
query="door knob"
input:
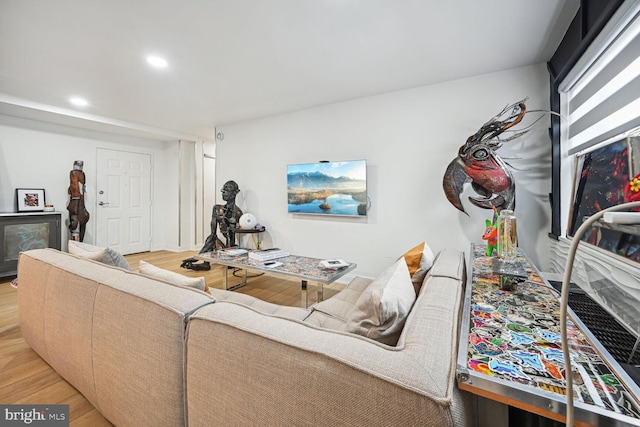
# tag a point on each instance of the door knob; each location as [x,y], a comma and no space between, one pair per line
[103,203]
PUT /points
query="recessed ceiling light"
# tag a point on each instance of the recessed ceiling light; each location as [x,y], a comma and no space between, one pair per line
[157,61]
[78,102]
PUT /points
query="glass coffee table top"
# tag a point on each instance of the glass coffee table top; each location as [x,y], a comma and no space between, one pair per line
[293,266]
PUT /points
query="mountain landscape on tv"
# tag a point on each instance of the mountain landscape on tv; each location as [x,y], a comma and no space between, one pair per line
[318,192]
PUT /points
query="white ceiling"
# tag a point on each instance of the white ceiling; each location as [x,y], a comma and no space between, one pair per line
[238,60]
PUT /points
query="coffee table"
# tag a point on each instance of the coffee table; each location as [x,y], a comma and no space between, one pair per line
[293,266]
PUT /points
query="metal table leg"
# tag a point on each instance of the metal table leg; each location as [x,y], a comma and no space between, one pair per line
[234,287]
[305,300]
[305,295]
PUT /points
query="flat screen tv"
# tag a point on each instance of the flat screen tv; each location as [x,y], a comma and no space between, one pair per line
[328,188]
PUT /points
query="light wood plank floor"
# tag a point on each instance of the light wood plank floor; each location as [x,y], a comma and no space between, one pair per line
[26,379]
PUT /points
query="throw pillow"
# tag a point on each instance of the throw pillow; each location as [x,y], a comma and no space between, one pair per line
[171,277]
[412,257]
[426,262]
[383,307]
[419,261]
[104,255]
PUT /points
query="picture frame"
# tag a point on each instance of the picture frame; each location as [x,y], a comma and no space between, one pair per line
[600,178]
[30,199]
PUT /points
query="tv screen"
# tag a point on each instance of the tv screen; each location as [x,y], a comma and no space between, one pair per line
[328,188]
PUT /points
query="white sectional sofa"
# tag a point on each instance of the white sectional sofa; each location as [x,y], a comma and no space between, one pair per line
[146,352]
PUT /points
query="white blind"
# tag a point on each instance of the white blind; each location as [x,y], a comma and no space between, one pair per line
[602,96]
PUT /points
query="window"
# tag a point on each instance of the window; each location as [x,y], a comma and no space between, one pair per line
[600,105]
[599,100]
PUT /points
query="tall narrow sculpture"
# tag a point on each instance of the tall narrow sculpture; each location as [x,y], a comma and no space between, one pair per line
[78,214]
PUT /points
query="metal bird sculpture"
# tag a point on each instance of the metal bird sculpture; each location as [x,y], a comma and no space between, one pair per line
[478,163]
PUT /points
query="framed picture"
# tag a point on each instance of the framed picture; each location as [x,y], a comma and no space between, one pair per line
[600,179]
[328,188]
[30,199]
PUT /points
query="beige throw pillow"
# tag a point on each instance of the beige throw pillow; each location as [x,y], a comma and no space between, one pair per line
[383,307]
[95,255]
[171,277]
[104,255]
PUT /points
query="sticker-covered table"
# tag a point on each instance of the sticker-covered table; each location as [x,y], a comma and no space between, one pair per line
[510,351]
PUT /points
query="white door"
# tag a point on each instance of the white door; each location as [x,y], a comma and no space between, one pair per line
[123,214]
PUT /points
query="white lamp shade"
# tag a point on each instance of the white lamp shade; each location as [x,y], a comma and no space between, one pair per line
[248,221]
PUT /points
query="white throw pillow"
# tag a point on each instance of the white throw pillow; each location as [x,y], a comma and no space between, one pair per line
[171,277]
[95,255]
[383,307]
[104,255]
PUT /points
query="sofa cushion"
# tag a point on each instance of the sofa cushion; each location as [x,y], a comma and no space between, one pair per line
[383,306]
[449,264]
[264,307]
[375,309]
[341,304]
[419,260]
[104,255]
[171,277]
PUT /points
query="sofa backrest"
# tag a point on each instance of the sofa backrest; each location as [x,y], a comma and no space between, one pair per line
[116,336]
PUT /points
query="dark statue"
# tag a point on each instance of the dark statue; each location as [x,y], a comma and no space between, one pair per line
[224,219]
[78,214]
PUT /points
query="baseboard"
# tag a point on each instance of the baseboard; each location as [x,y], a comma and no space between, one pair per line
[176,248]
[346,279]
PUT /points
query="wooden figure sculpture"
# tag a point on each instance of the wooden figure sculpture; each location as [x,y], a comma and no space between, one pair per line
[78,214]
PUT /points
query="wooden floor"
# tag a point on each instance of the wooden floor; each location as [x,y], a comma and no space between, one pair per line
[26,379]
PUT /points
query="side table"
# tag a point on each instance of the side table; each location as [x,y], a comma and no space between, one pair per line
[252,231]
[510,351]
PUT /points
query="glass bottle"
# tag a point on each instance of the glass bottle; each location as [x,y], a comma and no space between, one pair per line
[507,235]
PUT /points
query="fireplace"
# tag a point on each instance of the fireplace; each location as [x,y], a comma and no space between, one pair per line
[25,231]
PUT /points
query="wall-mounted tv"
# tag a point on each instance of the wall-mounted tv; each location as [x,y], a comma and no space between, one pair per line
[328,188]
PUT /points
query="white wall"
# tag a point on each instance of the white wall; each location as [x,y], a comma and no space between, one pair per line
[34,154]
[408,138]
